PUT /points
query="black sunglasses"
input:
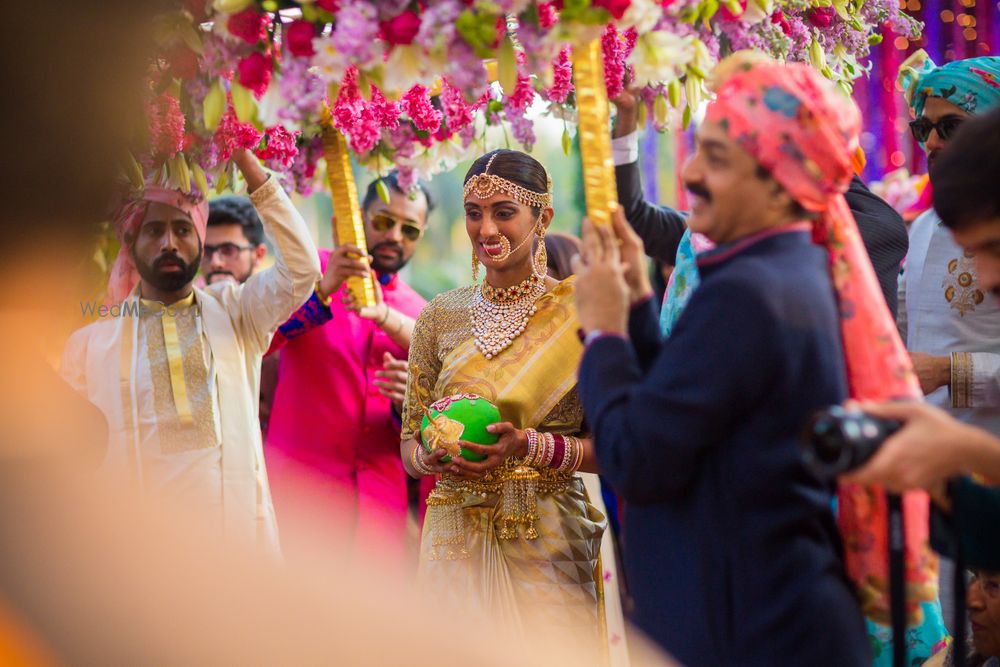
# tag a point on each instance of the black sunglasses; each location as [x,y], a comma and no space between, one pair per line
[921,127]
[382,223]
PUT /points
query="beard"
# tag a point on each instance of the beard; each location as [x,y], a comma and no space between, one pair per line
[172,281]
[382,265]
[219,276]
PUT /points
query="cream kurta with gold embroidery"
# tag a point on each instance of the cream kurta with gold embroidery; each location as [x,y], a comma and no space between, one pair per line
[180,386]
[944,312]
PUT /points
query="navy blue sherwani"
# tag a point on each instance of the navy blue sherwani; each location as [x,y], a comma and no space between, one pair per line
[731,549]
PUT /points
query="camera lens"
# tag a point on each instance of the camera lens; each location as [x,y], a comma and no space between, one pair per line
[837,440]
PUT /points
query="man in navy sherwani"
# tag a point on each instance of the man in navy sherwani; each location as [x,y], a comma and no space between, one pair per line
[731,548]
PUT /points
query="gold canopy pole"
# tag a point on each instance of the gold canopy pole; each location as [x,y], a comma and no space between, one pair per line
[347,224]
[595,139]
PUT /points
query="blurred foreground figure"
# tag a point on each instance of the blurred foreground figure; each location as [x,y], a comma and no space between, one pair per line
[89,574]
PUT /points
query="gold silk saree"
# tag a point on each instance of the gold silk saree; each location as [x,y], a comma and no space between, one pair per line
[532,560]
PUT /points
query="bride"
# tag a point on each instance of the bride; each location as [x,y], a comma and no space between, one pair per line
[514,534]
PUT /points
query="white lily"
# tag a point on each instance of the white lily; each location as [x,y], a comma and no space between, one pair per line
[642,14]
[660,57]
[406,66]
[329,63]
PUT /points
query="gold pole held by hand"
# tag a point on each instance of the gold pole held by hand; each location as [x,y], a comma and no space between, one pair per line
[347,224]
[595,140]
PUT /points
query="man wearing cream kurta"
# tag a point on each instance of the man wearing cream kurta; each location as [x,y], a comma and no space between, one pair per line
[176,368]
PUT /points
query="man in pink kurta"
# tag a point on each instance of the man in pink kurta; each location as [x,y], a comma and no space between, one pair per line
[333,433]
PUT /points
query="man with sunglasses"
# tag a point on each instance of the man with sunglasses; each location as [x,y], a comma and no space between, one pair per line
[234,240]
[333,428]
[946,317]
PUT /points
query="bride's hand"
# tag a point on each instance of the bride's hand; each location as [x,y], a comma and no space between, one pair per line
[512,442]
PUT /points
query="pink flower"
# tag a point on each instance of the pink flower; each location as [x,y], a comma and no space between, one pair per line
[249,25]
[417,105]
[279,147]
[524,93]
[166,127]
[385,111]
[562,77]
[547,15]
[613,50]
[458,114]
[821,17]
[616,8]
[255,73]
[232,134]
[299,38]
[779,19]
[402,29]
[362,121]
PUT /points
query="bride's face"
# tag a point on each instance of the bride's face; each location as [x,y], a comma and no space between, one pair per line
[487,220]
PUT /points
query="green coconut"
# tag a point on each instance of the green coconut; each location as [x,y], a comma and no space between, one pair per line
[466,417]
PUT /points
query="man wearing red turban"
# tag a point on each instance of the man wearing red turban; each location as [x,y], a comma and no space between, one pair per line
[175,369]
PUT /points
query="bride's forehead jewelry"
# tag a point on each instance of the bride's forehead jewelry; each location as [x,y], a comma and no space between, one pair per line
[485,185]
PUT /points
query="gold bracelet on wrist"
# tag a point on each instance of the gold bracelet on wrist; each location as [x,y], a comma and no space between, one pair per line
[384,317]
[325,300]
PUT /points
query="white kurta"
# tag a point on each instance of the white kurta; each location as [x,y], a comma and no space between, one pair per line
[946,313]
[221,467]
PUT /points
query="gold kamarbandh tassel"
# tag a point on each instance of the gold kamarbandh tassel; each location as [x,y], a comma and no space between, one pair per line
[595,143]
[520,504]
[347,224]
[446,525]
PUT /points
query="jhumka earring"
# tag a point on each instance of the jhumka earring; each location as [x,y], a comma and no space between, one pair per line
[541,255]
[475,267]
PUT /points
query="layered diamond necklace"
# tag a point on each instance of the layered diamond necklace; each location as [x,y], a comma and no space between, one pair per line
[500,315]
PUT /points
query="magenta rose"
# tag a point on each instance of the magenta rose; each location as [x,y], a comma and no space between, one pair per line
[299,38]
[255,73]
[401,30]
[249,25]
[821,17]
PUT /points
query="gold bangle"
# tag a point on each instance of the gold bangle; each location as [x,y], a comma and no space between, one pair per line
[384,317]
[325,300]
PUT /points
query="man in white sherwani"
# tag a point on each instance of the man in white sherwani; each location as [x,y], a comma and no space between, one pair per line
[176,369]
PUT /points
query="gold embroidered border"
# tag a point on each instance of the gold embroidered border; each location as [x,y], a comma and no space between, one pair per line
[961,379]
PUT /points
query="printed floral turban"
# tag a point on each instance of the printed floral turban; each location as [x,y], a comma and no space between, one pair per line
[972,84]
[127,220]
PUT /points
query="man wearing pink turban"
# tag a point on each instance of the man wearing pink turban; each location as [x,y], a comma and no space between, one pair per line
[731,545]
[176,369]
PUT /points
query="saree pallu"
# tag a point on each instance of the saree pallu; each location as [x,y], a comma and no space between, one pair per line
[520,544]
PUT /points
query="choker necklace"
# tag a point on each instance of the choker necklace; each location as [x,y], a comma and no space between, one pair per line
[500,315]
[505,294]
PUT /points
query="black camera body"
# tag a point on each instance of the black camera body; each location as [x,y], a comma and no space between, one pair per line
[839,440]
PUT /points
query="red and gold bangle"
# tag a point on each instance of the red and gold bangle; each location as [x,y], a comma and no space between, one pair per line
[549,450]
[532,455]
[559,457]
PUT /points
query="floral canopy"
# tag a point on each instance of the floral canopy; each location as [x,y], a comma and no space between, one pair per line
[413,84]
